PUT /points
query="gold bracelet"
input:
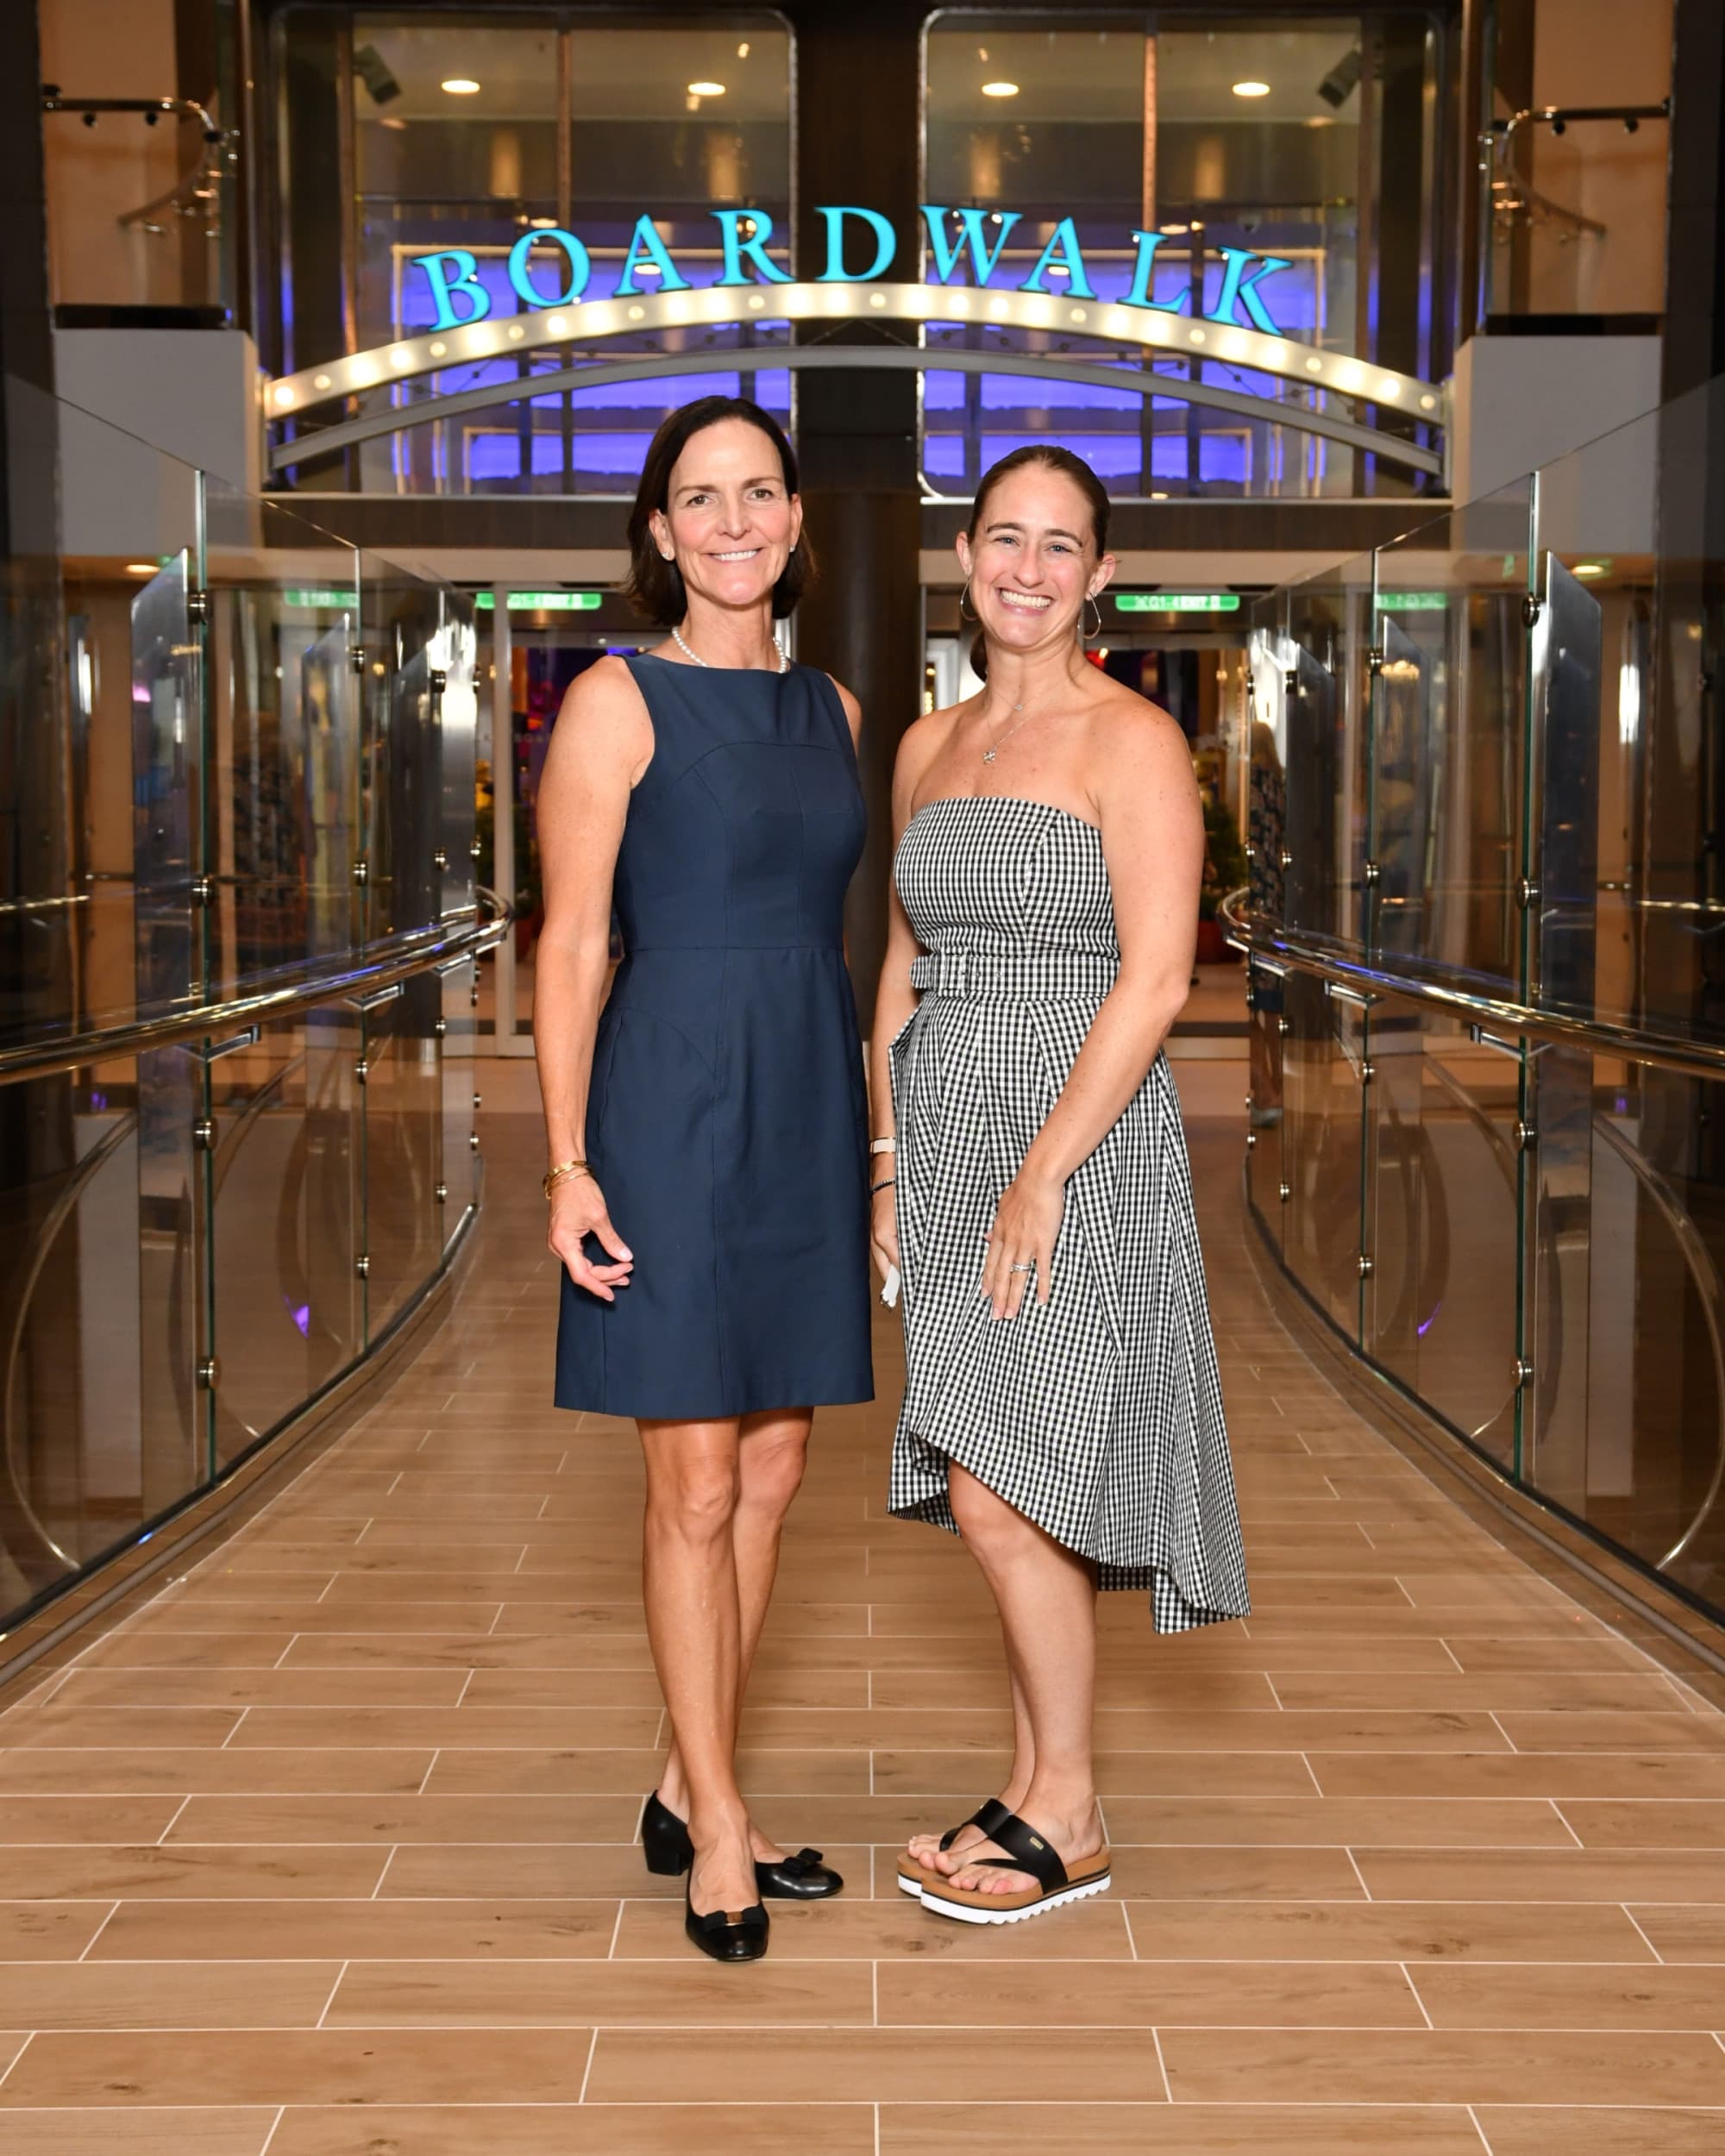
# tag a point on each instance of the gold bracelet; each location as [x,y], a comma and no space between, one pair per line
[565,1171]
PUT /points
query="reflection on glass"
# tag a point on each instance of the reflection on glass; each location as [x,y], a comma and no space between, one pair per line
[405,1198]
[1441,1302]
[1325,717]
[1449,707]
[1322,1058]
[1630,1386]
[287,1195]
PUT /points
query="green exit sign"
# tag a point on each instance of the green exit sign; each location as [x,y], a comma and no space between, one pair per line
[1413,602]
[317,596]
[1177,602]
[541,602]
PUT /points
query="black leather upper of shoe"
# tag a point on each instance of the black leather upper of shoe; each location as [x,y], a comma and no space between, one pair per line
[715,1933]
[803,1877]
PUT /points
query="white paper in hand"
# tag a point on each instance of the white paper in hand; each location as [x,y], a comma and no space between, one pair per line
[889,1287]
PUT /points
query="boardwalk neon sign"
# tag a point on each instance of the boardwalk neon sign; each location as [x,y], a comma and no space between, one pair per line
[957,238]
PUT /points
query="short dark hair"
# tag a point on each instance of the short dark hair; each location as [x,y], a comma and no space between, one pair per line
[655,586]
[1053,458]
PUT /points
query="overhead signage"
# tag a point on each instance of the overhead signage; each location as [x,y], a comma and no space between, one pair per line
[1413,602]
[541,602]
[316,596]
[1177,602]
[972,237]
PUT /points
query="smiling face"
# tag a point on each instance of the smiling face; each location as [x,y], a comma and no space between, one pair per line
[730,523]
[1033,561]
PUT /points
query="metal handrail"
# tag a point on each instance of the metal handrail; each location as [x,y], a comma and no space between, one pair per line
[1256,938]
[422,951]
[1518,1020]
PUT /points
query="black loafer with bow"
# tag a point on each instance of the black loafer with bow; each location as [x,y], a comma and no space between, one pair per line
[728,1935]
[669,1853]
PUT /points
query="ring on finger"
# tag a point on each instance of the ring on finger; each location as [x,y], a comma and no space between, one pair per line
[1029,1268]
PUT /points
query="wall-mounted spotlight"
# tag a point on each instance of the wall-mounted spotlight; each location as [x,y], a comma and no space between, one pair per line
[372,70]
[1339,84]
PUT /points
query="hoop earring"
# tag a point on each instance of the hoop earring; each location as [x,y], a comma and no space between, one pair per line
[963,599]
[1090,600]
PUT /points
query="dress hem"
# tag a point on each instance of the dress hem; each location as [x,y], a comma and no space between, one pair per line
[707,1413]
[1145,1576]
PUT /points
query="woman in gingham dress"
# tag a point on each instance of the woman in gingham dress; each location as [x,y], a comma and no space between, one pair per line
[1063,1410]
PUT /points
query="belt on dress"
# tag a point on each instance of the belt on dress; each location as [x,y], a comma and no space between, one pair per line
[1017,977]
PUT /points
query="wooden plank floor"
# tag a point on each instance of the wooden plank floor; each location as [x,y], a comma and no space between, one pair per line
[328,1851]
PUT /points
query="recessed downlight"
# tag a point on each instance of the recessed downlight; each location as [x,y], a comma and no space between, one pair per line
[1251,89]
[140,568]
[1591,568]
[1000,89]
[706,90]
[461,86]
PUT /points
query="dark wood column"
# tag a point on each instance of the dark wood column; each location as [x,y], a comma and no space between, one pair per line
[858,118]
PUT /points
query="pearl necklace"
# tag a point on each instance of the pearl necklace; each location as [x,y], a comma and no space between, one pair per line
[677,638]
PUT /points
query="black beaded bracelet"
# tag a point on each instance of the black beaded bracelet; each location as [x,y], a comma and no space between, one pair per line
[888,1184]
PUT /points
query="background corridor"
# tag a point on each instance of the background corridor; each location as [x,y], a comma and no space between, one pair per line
[326,1850]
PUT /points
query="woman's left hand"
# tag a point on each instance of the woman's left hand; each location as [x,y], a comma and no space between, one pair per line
[1026,1222]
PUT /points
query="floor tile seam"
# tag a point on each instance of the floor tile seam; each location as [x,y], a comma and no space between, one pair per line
[586,2072]
[1044,1965]
[275,2127]
[1474,2116]
[863,2103]
[341,1978]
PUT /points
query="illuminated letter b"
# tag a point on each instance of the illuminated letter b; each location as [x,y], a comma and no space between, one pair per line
[450,271]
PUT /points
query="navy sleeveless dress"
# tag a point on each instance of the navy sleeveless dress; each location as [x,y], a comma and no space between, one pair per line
[727,1116]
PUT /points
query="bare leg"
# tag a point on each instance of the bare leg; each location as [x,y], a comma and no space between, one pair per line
[923,1847]
[690,1580]
[773,1451]
[1046,1596]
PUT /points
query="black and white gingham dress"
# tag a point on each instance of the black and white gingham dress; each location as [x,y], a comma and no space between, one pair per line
[1098,1415]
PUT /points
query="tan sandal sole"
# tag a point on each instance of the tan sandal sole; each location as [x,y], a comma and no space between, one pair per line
[968,1905]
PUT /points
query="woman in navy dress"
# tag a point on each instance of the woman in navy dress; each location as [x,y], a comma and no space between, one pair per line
[706,1127]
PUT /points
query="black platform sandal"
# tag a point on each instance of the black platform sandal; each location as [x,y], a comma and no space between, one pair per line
[727,1935]
[912,1877]
[669,1853]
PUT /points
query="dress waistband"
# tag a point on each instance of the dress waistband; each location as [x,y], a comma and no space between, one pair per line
[1020,977]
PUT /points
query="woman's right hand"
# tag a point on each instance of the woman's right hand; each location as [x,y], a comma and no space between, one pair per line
[883,1231]
[577,1211]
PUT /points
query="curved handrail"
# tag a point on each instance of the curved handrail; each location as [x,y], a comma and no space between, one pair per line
[1504,1017]
[423,950]
[1500,1015]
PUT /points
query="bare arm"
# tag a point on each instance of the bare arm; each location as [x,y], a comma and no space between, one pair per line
[1153,842]
[895,1000]
[601,745]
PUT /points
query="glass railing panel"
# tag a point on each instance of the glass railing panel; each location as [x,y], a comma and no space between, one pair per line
[404,1197]
[1628,1348]
[285,1103]
[1269,666]
[1448,741]
[100,698]
[1322,1053]
[285,739]
[1266,1173]
[401,785]
[455,657]
[1441,1164]
[90,1442]
[460,1077]
[1328,630]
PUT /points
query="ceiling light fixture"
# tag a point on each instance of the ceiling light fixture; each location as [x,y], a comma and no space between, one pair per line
[1251,89]
[1591,568]
[706,90]
[140,568]
[1000,89]
[743,50]
[461,86]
